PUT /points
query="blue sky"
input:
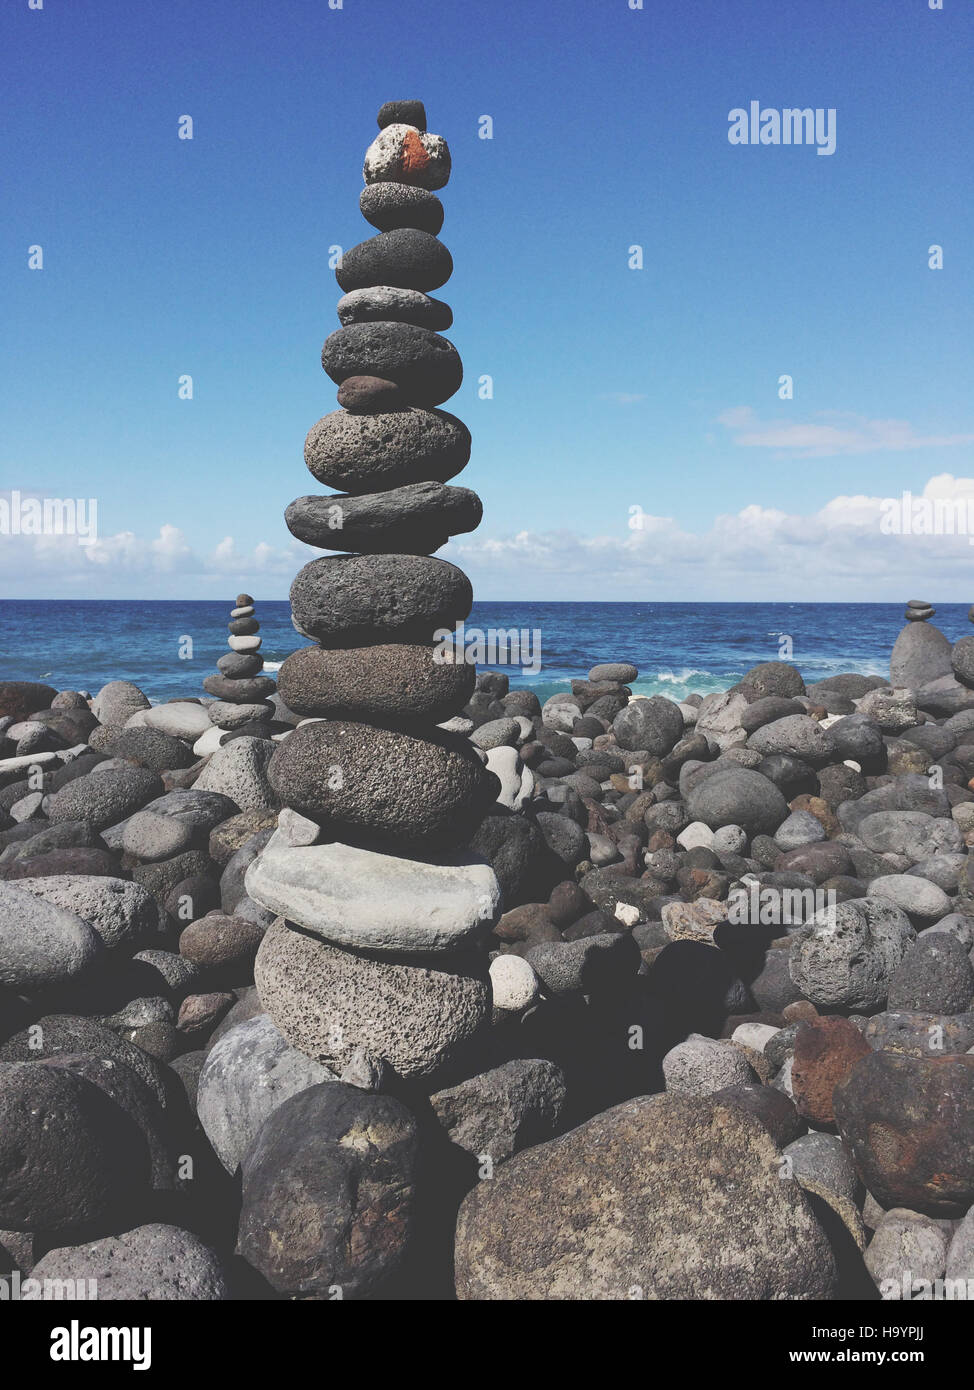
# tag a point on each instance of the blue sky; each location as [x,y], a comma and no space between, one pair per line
[614,388]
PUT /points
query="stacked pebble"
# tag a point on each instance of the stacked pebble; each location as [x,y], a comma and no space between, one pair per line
[379,801]
[241,690]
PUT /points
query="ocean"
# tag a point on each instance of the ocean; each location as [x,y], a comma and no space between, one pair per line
[168,647]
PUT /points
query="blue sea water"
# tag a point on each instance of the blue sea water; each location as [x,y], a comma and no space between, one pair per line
[168,647]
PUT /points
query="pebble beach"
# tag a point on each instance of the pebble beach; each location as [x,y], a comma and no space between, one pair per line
[371,974]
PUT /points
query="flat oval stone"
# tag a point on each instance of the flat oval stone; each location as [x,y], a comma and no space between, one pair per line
[391,205]
[240,692]
[362,453]
[370,901]
[243,627]
[392,304]
[384,784]
[347,600]
[426,367]
[405,258]
[402,113]
[395,683]
[244,644]
[370,395]
[403,154]
[236,665]
[230,716]
[411,520]
[245,611]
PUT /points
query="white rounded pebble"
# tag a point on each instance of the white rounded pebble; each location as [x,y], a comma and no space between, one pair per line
[754,1035]
[696,836]
[514,983]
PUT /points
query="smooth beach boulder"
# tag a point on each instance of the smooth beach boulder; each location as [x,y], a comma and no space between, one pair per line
[595,1213]
[56,1035]
[738,797]
[796,735]
[655,724]
[151,1263]
[42,944]
[181,719]
[118,911]
[327,1194]
[402,788]
[329,1002]
[105,797]
[247,1074]
[362,453]
[117,701]
[391,683]
[370,901]
[921,654]
[351,600]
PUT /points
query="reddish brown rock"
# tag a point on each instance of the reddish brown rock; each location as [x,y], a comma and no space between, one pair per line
[20,699]
[821,810]
[826,1050]
[216,942]
[800,1010]
[909,1124]
[200,1013]
[369,395]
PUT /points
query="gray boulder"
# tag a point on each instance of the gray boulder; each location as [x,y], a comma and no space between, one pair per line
[247,1074]
[592,1215]
[147,1264]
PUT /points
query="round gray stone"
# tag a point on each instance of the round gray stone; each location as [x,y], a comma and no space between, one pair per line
[146,1264]
[345,600]
[403,259]
[360,453]
[248,1073]
[391,205]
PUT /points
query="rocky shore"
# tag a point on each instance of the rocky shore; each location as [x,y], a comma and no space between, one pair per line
[701,983]
[389,981]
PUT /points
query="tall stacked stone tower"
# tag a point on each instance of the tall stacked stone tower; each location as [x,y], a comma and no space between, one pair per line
[373,956]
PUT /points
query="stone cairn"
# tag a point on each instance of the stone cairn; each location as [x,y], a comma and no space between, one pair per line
[376,956]
[242,692]
[921,653]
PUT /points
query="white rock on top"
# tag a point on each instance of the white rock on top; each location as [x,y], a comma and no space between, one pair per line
[383,903]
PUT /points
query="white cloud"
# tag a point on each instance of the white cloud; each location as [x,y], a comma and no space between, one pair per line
[128,566]
[839,433]
[838,553]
